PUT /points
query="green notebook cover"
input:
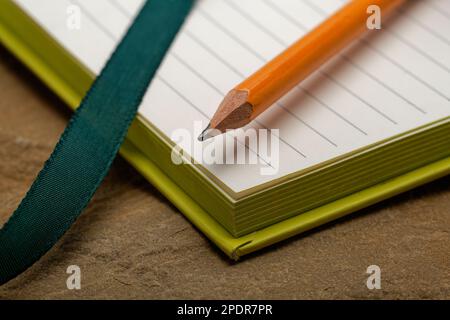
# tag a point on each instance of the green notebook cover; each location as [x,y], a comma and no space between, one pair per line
[69,79]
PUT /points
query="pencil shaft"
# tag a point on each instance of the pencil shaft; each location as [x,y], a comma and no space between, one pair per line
[305,56]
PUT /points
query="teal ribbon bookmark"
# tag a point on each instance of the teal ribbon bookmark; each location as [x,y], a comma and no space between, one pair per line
[90,142]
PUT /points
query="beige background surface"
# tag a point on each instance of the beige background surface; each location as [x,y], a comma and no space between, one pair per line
[132,243]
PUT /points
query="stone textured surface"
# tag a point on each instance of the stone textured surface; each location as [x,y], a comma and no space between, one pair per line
[132,243]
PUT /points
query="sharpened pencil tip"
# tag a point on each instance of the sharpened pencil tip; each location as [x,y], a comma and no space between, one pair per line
[207,133]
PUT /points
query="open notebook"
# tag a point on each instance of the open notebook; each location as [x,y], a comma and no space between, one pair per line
[375,113]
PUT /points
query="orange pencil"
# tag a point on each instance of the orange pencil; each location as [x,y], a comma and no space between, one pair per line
[258,92]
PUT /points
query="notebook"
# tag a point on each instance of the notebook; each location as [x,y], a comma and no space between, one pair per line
[371,123]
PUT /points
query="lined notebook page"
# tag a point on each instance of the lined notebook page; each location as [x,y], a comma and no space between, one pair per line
[393,81]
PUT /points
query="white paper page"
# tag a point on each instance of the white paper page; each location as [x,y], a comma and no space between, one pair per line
[391,82]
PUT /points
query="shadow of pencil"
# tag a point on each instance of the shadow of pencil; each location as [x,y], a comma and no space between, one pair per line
[295,101]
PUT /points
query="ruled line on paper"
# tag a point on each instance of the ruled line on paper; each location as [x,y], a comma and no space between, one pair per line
[183,97]
[209,83]
[278,103]
[325,116]
[99,25]
[422,52]
[262,59]
[328,76]
[241,75]
[424,26]
[190,103]
[293,115]
[409,72]
[167,83]
[411,45]
[439,10]
[346,58]
[119,6]
[222,93]
[367,43]
[283,43]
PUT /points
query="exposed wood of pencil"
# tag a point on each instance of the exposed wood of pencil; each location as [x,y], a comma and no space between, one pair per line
[255,94]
